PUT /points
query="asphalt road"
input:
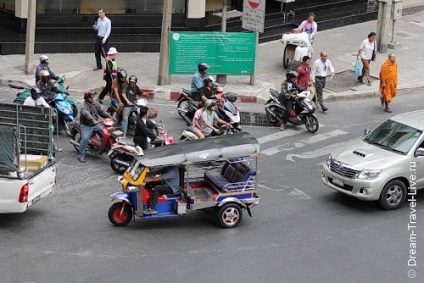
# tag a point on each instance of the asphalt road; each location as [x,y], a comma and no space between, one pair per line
[301,232]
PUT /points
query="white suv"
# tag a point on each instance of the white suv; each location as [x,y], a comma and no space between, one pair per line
[386,165]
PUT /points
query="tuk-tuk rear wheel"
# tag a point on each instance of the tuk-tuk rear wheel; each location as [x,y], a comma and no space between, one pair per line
[230,215]
[120,213]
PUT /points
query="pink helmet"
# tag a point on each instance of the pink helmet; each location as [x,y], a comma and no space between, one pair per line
[169,140]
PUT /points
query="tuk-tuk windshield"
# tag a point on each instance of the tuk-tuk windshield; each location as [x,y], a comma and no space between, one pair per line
[135,170]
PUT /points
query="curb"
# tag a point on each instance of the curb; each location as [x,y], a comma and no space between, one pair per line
[345,96]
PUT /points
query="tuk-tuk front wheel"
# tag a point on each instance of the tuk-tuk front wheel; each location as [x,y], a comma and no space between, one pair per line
[230,215]
[120,213]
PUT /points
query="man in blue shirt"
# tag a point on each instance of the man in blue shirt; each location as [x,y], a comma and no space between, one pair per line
[197,80]
[103,26]
[44,62]
[169,179]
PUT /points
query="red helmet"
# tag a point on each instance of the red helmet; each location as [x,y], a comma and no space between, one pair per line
[219,89]
[89,93]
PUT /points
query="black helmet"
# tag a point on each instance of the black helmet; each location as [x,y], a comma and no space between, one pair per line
[133,79]
[35,93]
[202,66]
[291,74]
[122,74]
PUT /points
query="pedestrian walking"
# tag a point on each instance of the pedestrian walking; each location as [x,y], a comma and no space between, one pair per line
[304,71]
[110,73]
[367,52]
[310,27]
[388,81]
[103,26]
[319,74]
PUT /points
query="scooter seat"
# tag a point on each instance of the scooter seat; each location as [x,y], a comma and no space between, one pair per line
[18,85]
[127,141]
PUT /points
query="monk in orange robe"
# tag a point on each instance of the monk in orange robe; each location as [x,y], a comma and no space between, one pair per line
[388,81]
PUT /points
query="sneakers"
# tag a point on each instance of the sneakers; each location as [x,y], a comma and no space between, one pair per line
[149,211]
[323,108]
[282,127]
[81,159]
[57,149]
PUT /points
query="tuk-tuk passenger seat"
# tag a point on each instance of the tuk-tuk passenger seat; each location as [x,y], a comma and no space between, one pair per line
[237,173]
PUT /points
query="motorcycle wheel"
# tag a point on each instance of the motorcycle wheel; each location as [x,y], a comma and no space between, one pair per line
[76,137]
[120,168]
[183,104]
[68,128]
[274,110]
[74,110]
[311,123]
[120,213]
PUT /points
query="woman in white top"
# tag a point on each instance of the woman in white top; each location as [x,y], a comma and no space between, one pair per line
[366,50]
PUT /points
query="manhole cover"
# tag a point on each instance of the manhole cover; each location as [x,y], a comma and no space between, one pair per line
[344,81]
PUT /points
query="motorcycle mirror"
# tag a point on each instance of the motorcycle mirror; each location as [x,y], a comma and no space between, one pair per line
[67,87]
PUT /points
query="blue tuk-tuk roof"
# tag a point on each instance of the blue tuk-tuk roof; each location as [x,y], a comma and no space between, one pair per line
[215,148]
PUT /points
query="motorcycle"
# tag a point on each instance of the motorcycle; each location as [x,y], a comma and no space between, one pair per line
[64,112]
[186,106]
[22,95]
[276,111]
[99,142]
[123,150]
[228,112]
[189,135]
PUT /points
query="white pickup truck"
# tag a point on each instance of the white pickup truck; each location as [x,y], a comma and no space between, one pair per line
[27,165]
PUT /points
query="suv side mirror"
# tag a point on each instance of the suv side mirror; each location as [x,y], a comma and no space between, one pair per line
[366,132]
[419,152]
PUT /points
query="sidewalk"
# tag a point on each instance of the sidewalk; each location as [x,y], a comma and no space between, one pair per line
[341,44]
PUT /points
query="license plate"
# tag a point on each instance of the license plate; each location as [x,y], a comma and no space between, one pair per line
[338,182]
[36,199]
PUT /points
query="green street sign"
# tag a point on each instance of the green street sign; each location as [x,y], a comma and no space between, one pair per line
[228,53]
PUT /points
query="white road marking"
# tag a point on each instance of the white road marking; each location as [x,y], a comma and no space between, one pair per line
[318,152]
[311,140]
[280,135]
[283,187]
[299,194]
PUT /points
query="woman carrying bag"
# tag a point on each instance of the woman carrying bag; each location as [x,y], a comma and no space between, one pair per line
[367,53]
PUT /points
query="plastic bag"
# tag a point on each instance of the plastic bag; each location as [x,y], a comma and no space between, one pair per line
[358,68]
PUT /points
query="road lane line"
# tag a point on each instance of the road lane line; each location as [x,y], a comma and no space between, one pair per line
[314,139]
[281,134]
[299,194]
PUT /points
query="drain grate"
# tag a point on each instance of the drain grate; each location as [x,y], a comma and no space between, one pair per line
[344,81]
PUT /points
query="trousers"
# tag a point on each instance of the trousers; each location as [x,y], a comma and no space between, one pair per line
[319,86]
[100,50]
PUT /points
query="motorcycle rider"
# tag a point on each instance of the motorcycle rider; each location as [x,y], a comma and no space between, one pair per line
[118,86]
[110,71]
[207,91]
[47,87]
[91,111]
[197,80]
[197,120]
[288,96]
[129,97]
[44,65]
[210,119]
[145,130]
[35,99]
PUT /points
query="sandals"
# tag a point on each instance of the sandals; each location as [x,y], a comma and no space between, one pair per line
[387,110]
[382,100]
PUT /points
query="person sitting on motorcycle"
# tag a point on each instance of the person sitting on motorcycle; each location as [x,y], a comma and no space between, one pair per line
[44,62]
[210,119]
[118,86]
[197,80]
[164,181]
[91,111]
[47,87]
[207,91]
[288,96]
[197,121]
[35,99]
[145,130]
[130,94]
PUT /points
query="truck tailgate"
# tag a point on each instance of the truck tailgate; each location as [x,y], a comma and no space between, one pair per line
[39,185]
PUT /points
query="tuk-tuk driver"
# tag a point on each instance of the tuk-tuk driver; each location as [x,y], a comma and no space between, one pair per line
[169,183]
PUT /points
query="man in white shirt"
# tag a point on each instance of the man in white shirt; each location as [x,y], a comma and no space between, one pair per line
[103,26]
[319,73]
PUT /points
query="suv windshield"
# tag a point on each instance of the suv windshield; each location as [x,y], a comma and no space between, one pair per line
[394,136]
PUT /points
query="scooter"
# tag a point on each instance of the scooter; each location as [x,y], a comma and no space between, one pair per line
[276,111]
[99,142]
[186,106]
[123,150]
[16,86]
[64,112]
[189,135]
[228,111]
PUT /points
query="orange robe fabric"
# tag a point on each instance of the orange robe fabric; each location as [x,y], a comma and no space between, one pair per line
[389,74]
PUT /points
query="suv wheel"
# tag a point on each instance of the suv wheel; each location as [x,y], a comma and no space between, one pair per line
[393,195]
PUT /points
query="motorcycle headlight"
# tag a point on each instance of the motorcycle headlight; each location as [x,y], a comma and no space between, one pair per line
[369,174]
[328,161]
[67,112]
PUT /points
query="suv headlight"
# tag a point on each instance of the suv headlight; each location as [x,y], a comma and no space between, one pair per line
[369,174]
[328,161]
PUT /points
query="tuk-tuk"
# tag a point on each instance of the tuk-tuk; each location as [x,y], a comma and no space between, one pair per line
[217,174]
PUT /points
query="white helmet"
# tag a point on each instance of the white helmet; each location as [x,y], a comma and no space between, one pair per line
[112,51]
[43,57]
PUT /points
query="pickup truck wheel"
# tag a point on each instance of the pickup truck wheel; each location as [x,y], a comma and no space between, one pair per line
[393,195]
[120,213]
[230,215]
[77,137]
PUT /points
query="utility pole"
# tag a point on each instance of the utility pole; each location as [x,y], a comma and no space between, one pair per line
[30,36]
[222,79]
[164,77]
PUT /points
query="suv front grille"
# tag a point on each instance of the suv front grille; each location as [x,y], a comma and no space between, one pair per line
[343,169]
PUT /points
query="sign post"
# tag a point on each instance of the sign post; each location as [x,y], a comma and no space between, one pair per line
[254,20]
